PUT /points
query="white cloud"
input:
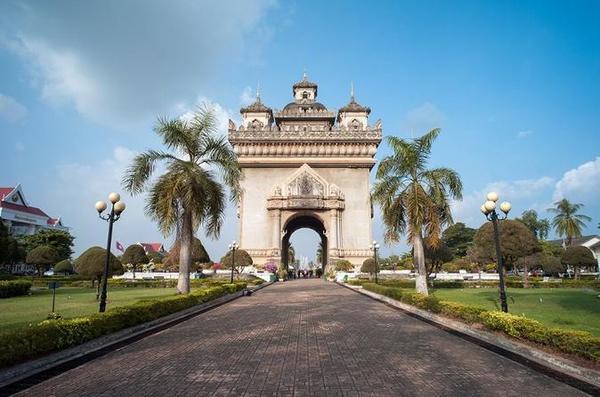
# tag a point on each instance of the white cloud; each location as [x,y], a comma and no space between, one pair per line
[580,183]
[247,96]
[518,192]
[524,134]
[423,119]
[132,62]
[11,110]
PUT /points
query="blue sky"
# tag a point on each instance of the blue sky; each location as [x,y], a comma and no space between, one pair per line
[515,87]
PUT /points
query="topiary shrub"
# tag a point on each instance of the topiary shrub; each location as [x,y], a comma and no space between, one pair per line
[369,266]
[90,264]
[42,257]
[65,267]
[578,257]
[343,265]
[134,257]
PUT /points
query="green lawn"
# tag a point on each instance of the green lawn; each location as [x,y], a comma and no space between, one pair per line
[70,302]
[568,308]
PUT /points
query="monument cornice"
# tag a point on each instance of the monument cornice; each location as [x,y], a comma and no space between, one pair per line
[299,134]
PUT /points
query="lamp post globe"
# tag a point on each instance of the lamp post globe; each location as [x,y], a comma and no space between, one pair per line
[483,209]
[100,206]
[119,207]
[114,197]
[490,205]
[492,196]
[505,207]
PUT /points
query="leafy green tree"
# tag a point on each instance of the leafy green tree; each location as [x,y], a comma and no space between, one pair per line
[435,257]
[65,266]
[199,256]
[458,238]
[516,241]
[15,253]
[156,257]
[343,265]
[42,257]
[90,264]
[539,227]
[242,259]
[134,256]
[527,263]
[4,238]
[552,265]
[413,198]
[567,222]
[369,265]
[578,257]
[60,240]
[189,194]
[551,249]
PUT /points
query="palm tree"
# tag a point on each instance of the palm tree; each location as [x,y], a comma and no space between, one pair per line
[189,193]
[567,222]
[413,198]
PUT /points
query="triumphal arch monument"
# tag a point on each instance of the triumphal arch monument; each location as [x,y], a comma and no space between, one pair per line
[306,166]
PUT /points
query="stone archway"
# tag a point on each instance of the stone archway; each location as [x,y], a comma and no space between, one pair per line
[300,221]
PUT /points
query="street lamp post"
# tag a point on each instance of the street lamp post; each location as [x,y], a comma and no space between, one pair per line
[375,246]
[117,208]
[233,246]
[489,210]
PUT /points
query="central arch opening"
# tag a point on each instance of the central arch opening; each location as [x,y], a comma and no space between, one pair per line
[304,221]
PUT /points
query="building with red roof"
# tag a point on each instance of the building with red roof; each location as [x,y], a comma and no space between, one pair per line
[22,218]
[153,247]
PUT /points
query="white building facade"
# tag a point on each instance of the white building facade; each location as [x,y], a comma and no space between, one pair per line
[306,166]
[20,217]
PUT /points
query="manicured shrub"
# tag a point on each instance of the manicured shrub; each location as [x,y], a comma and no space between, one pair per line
[343,266]
[64,266]
[12,288]
[579,343]
[53,335]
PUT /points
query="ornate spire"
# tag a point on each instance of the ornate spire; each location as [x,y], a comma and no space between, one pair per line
[258,92]
[351,91]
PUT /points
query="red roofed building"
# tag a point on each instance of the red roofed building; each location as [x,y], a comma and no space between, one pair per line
[153,247]
[22,218]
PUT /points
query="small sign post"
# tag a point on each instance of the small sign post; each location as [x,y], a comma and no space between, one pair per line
[53,286]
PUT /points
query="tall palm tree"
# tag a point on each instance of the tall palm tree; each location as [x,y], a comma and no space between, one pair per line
[413,198]
[191,192]
[567,222]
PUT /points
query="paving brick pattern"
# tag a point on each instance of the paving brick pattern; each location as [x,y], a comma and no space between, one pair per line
[304,337]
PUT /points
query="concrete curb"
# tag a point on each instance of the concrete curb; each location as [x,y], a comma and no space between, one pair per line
[560,368]
[12,378]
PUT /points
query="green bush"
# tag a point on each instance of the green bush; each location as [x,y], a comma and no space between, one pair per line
[52,335]
[14,288]
[343,265]
[467,313]
[579,343]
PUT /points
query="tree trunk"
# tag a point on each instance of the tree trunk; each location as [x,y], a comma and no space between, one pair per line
[576,272]
[419,262]
[185,254]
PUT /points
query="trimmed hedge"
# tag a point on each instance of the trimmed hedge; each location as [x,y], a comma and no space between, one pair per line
[52,335]
[510,283]
[580,343]
[12,288]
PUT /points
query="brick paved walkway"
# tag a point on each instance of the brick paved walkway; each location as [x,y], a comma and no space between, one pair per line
[304,337]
